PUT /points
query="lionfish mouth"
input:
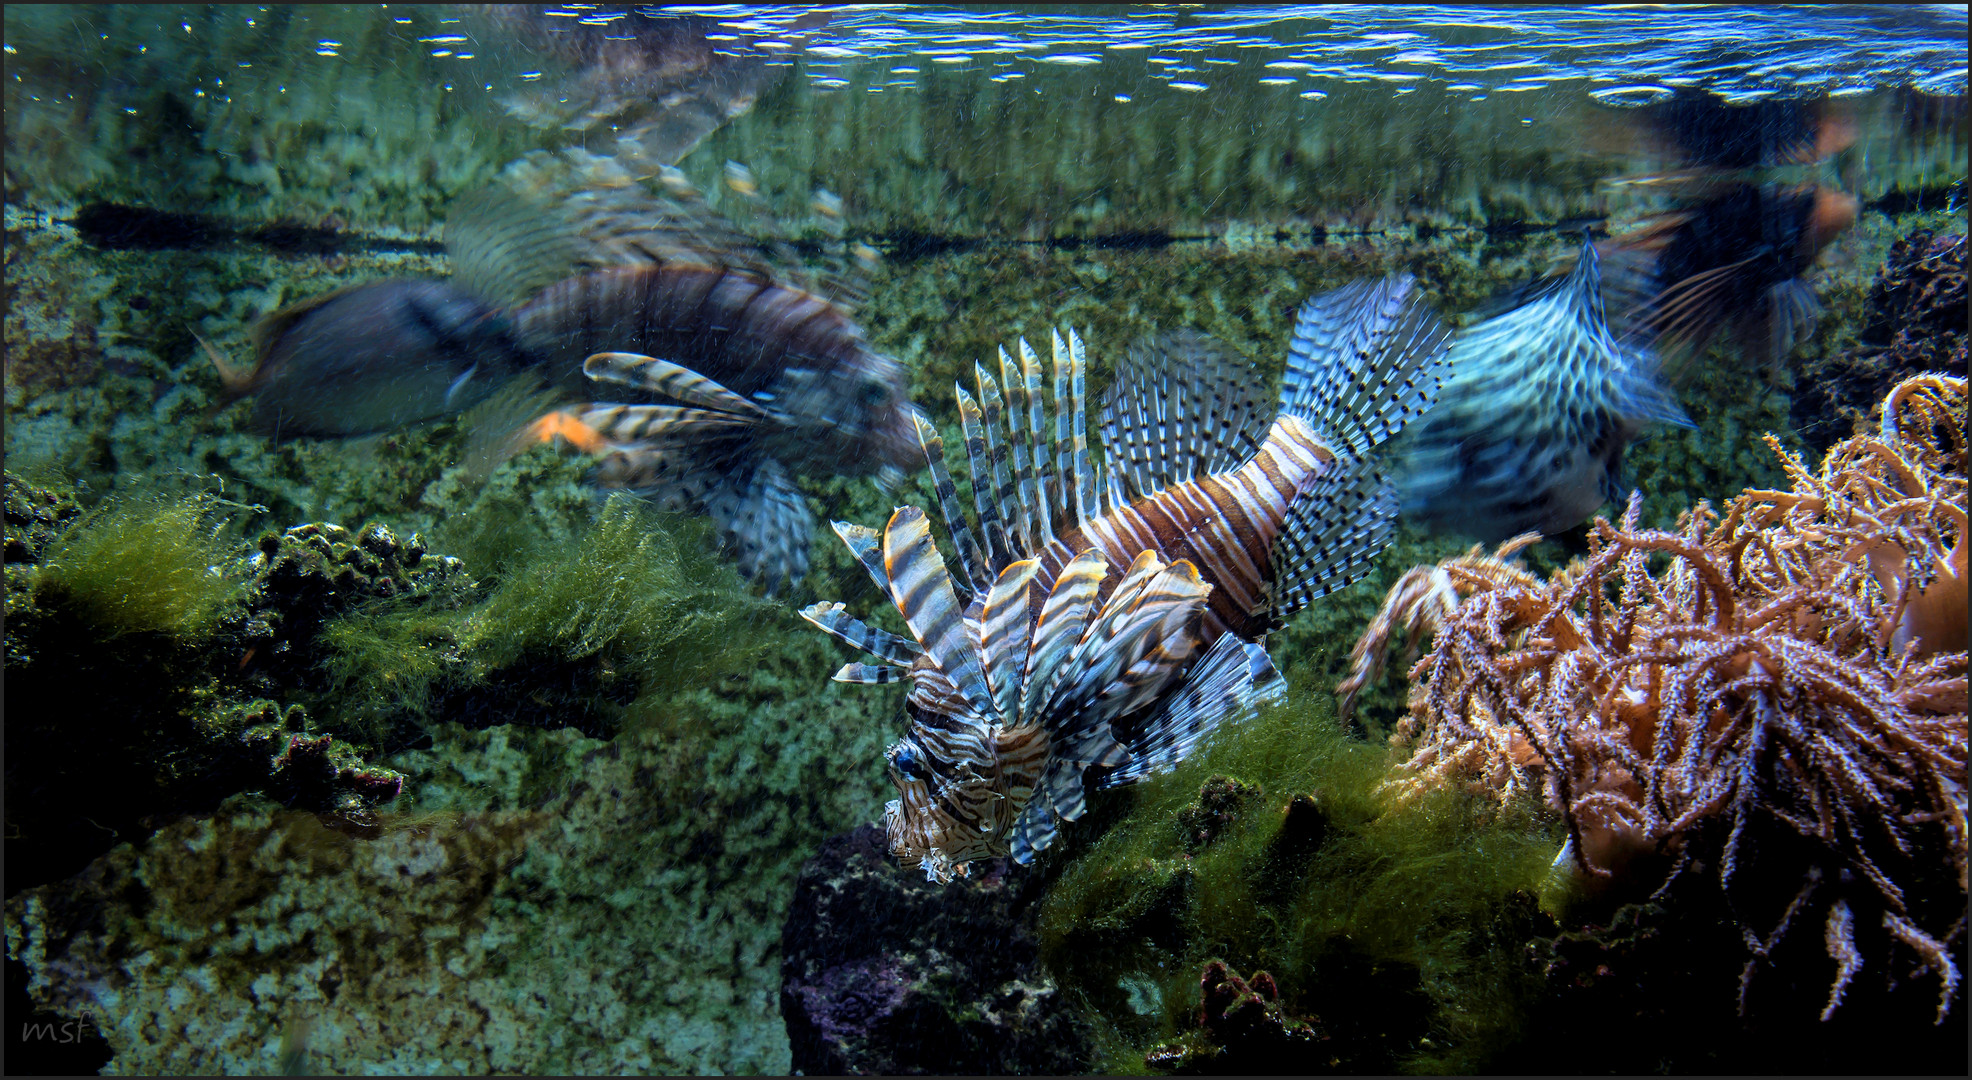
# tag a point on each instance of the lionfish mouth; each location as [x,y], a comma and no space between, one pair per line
[905,828]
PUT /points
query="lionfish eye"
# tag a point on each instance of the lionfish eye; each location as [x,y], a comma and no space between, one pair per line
[904,758]
[875,393]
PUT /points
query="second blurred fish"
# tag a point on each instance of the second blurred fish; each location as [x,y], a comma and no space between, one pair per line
[1530,428]
[373,357]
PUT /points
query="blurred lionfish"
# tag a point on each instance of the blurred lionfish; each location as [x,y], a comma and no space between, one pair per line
[764,372]
[1739,239]
[1529,432]
[1040,661]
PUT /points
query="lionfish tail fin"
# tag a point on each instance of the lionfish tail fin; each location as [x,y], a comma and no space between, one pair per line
[1232,680]
[1365,359]
[1182,406]
[1332,536]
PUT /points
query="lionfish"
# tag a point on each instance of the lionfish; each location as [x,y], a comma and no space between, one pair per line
[1039,660]
[1530,430]
[748,371]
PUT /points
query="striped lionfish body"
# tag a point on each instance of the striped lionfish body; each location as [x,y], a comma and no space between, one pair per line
[1101,618]
[740,375]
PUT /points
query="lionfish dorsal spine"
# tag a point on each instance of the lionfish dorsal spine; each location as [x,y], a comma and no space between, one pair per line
[1037,483]
[986,458]
[975,573]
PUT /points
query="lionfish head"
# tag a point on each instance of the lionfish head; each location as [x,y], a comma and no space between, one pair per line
[926,823]
[856,419]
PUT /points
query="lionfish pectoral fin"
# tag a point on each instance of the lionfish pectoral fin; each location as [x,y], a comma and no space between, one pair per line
[1032,832]
[1183,405]
[764,519]
[922,590]
[670,379]
[1333,532]
[885,646]
[1364,360]
[1232,679]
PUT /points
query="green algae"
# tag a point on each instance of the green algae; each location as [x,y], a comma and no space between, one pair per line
[638,605]
[639,590]
[148,564]
[1395,922]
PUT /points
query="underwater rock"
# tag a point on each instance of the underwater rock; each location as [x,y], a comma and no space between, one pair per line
[551,905]
[1915,323]
[1221,802]
[1245,1030]
[34,517]
[315,771]
[307,575]
[884,972]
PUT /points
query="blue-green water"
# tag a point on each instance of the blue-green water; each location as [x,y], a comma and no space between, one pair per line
[357,722]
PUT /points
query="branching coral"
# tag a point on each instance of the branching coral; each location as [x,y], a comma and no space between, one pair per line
[1795,662]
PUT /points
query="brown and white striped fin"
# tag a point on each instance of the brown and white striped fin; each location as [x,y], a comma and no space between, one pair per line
[1182,406]
[1005,633]
[986,459]
[975,575]
[857,634]
[922,590]
[1064,616]
[1233,678]
[661,424]
[870,674]
[1332,536]
[670,379]
[1073,468]
[1150,615]
[866,546]
[1364,360]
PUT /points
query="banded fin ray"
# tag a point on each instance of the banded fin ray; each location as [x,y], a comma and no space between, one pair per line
[1364,360]
[870,674]
[1180,407]
[975,575]
[865,545]
[670,379]
[1233,678]
[922,590]
[855,633]
[1064,617]
[986,456]
[660,424]
[1005,634]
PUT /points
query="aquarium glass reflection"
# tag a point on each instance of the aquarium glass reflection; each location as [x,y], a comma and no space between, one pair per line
[932,539]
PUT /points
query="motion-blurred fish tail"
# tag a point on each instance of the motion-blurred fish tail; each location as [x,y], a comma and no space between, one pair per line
[1540,406]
